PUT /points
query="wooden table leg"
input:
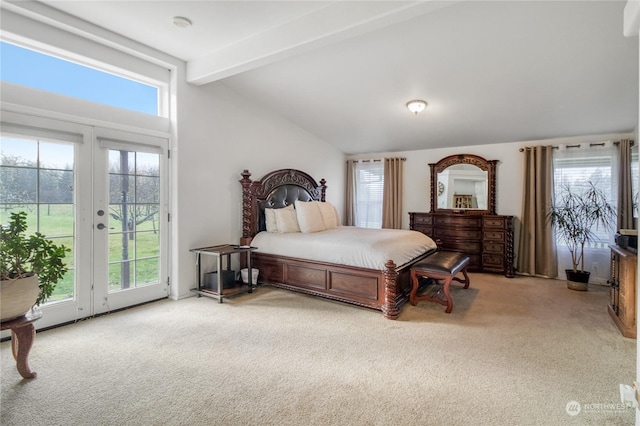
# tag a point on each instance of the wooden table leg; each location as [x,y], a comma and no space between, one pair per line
[414,288]
[447,295]
[21,342]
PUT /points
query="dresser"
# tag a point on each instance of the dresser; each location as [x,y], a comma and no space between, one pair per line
[622,300]
[486,239]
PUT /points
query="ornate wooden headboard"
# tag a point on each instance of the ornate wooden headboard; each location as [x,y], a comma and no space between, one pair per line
[276,189]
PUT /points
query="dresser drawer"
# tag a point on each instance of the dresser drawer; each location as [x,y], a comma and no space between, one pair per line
[474,261]
[468,247]
[419,219]
[493,235]
[493,248]
[492,260]
[458,221]
[426,230]
[493,222]
[467,234]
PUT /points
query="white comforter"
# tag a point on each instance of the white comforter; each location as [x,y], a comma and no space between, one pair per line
[348,245]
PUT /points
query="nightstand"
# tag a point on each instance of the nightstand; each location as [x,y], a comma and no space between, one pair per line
[222,253]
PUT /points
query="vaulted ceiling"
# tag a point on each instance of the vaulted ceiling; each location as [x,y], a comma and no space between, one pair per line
[491,72]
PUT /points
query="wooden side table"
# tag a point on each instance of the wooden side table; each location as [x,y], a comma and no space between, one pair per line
[22,335]
[221,252]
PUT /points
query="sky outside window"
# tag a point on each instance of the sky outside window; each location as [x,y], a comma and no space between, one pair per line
[29,68]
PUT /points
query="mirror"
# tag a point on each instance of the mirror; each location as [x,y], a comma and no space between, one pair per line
[463,183]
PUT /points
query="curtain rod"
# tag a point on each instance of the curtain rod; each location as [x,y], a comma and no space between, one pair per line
[592,144]
[374,160]
[531,147]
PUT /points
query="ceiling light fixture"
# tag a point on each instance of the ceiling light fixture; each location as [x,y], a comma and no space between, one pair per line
[416,106]
[182,22]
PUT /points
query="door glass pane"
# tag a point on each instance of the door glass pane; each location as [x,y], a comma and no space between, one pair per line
[147,190]
[37,177]
[23,180]
[134,231]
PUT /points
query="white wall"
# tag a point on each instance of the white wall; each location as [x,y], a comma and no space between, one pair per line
[215,135]
[219,135]
[509,181]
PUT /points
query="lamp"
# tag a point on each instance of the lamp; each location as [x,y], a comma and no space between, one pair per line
[416,106]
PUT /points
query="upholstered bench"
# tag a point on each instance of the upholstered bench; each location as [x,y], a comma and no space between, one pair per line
[441,265]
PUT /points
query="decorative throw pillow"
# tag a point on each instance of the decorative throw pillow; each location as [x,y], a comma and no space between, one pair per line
[309,217]
[328,213]
[286,220]
[270,220]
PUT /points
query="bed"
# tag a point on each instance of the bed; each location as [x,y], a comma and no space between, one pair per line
[295,262]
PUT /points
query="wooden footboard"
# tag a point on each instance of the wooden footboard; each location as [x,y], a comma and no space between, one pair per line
[385,290]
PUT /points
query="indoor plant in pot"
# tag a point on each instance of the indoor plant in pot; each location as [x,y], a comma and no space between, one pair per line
[30,267]
[576,216]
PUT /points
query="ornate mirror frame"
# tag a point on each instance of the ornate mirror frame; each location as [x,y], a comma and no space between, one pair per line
[487,165]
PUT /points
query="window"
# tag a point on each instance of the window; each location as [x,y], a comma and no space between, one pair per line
[369,177]
[37,70]
[576,166]
[37,177]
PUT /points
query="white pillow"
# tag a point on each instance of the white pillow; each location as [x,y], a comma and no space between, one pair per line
[270,218]
[309,217]
[286,220]
[328,213]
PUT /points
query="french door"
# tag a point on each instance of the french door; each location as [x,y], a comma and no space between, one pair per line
[129,220]
[103,194]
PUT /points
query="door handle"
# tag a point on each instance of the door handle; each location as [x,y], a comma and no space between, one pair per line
[101,226]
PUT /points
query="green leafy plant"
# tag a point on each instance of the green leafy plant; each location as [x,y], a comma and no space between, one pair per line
[23,255]
[577,215]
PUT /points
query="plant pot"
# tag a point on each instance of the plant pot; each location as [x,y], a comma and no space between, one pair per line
[577,280]
[17,297]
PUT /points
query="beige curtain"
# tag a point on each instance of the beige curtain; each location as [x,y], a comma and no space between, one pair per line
[625,190]
[350,194]
[537,246]
[392,195]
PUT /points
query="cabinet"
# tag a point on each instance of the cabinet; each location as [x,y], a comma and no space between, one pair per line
[622,292]
[486,239]
[221,253]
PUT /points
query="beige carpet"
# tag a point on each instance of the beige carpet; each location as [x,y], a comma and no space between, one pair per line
[512,352]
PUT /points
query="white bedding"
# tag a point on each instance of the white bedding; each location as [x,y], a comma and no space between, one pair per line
[348,245]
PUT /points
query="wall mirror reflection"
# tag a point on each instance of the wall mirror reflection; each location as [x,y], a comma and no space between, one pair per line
[463,186]
[463,183]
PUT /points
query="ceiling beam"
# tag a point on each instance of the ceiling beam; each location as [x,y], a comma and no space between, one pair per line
[335,22]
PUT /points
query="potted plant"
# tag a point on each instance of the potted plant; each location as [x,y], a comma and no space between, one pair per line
[30,267]
[576,216]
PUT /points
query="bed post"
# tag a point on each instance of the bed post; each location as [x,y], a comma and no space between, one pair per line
[390,308]
[323,189]
[246,207]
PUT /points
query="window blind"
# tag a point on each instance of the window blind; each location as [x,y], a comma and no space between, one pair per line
[369,192]
[576,167]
